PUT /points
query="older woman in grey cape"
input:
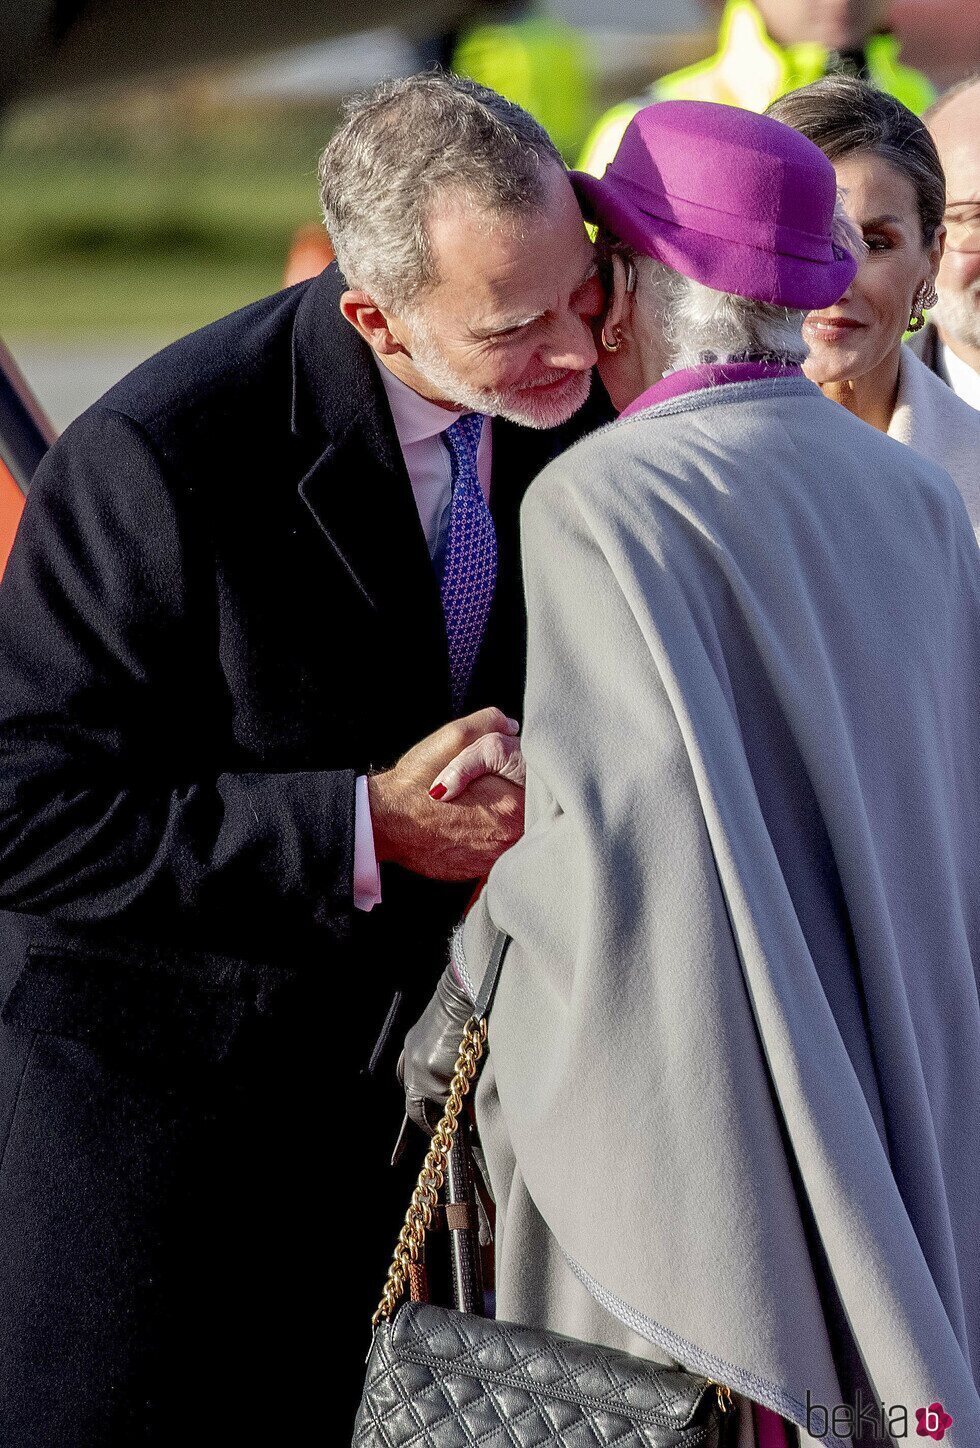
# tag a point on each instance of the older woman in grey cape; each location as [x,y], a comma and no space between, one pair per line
[731,1111]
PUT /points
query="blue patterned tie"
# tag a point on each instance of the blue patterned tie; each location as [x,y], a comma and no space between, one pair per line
[470,567]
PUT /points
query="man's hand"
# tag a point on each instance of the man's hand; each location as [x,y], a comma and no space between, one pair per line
[456,839]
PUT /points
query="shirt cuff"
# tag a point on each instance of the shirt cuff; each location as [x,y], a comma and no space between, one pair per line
[367,878]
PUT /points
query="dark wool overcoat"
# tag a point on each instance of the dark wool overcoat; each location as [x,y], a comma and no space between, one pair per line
[219,610]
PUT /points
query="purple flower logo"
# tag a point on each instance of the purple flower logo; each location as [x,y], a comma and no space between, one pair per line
[932,1421]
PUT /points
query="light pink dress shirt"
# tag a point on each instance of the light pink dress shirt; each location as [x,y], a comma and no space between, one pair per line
[419,425]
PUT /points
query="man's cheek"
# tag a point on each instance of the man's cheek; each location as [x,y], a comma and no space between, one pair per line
[595,300]
[959,270]
[512,370]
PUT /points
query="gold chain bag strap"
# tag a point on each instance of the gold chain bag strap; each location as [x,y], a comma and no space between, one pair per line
[425,1197]
[439,1378]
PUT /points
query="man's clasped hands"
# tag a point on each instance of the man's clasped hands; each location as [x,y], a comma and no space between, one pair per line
[455,801]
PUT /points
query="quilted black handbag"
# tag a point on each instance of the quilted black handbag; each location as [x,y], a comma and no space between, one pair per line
[440,1378]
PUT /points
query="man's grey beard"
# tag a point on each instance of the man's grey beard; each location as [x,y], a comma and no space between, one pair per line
[546,411]
[958,313]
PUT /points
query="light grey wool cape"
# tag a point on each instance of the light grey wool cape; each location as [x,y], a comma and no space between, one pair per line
[731,1108]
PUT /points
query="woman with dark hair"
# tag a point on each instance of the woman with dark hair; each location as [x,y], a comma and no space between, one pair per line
[894,190]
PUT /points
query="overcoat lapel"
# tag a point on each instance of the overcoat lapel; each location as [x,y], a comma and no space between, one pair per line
[356,485]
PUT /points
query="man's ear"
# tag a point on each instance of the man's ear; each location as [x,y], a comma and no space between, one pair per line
[367,318]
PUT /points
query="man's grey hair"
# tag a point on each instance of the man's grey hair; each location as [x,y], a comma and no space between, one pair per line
[400,147]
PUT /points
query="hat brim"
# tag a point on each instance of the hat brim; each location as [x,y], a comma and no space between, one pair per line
[744,270]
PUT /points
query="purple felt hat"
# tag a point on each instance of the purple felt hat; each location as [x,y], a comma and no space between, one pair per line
[737,201]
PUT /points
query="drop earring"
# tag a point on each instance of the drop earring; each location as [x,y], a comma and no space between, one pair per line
[925,298]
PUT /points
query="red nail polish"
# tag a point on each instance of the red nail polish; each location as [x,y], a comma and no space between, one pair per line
[437,791]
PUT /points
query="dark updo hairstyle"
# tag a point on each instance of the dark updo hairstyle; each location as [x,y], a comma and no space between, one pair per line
[843,115]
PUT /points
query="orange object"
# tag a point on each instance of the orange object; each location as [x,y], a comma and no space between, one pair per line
[11,507]
[35,434]
[310,251]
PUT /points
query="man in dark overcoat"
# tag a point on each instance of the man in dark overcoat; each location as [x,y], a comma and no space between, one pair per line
[262,592]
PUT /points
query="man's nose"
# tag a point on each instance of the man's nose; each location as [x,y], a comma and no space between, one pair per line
[572,344]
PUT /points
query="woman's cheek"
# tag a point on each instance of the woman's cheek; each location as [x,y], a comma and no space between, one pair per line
[905,282]
[882,290]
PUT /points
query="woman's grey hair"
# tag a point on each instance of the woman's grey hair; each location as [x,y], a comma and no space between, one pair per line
[398,148]
[699,324]
[843,115]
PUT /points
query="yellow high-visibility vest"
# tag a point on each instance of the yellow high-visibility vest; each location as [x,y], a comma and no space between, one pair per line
[542,65]
[750,70]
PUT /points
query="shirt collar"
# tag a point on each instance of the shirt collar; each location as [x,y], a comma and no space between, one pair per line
[961,376]
[713,374]
[416,418]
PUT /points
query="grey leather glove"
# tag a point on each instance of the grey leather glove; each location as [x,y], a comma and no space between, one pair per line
[425,1067]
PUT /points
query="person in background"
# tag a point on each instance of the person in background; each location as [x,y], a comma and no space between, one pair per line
[768,47]
[732,1096]
[894,191]
[534,59]
[950,341]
